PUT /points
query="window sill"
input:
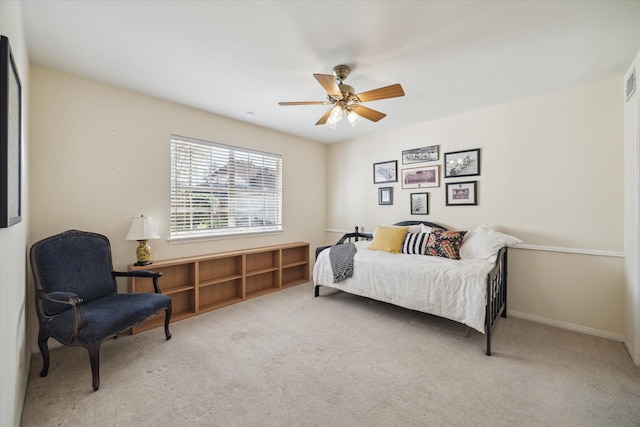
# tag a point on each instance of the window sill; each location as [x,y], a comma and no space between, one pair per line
[207,237]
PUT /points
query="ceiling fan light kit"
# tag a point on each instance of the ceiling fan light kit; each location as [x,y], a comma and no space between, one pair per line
[343,99]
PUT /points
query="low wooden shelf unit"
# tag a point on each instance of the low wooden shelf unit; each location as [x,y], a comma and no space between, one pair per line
[204,283]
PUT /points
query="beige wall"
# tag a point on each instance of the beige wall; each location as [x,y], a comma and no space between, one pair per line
[102,156]
[14,345]
[551,174]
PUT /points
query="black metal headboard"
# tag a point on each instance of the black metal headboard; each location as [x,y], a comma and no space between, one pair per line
[369,236]
[427,223]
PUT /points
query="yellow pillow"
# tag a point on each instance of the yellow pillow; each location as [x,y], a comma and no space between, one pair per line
[388,239]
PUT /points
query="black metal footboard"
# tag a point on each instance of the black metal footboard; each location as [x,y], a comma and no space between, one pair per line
[496,295]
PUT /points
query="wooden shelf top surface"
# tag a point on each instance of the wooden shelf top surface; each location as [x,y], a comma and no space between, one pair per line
[200,258]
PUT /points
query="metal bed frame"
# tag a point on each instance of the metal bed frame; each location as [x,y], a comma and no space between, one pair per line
[496,303]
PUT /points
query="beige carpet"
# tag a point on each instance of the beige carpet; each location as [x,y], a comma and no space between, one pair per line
[288,359]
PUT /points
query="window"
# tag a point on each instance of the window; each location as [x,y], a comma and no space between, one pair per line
[218,189]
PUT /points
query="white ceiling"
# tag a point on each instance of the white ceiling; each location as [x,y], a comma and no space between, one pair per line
[239,58]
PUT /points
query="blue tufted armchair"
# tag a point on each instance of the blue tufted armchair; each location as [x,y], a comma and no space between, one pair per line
[76,296]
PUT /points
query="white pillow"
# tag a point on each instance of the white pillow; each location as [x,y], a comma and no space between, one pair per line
[417,228]
[425,229]
[484,243]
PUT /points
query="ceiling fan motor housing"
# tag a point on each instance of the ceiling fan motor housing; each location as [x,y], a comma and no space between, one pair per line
[348,93]
[341,72]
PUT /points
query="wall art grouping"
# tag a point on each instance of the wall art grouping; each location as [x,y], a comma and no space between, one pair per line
[456,164]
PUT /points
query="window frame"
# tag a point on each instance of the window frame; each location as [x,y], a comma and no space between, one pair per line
[250,193]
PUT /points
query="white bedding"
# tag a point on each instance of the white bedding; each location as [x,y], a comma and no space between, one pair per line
[453,289]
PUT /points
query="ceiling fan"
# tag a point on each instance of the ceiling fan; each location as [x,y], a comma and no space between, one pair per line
[343,98]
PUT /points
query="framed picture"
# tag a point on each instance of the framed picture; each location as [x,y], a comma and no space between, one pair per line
[385,195]
[462,193]
[424,177]
[419,203]
[385,172]
[419,155]
[462,163]
[10,130]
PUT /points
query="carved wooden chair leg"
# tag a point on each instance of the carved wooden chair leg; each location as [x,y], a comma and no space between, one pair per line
[94,357]
[44,349]
[167,319]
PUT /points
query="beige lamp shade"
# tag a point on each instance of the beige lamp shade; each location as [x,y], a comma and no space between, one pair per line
[142,228]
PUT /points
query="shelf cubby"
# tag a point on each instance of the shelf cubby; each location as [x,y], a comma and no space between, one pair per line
[262,262]
[221,269]
[260,284]
[220,294]
[294,275]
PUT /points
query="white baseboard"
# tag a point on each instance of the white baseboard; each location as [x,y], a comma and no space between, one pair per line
[566,325]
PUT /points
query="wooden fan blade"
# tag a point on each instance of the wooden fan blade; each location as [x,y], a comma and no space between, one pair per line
[324,117]
[305,103]
[329,84]
[368,113]
[381,93]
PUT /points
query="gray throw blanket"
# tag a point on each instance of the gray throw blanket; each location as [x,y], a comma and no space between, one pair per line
[341,257]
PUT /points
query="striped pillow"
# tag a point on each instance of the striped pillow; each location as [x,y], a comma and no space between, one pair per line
[415,244]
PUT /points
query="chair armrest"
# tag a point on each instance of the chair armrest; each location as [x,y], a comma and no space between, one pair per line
[141,273]
[137,273]
[68,298]
[61,297]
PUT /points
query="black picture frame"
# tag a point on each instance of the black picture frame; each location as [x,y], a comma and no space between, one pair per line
[419,203]
[10,138]
[421,155]
[462,163]
[384,172]
[385,195]
[462,193]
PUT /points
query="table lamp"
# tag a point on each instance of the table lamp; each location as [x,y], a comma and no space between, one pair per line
[142,229]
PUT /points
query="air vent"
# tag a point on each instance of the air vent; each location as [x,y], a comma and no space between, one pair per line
[631,84]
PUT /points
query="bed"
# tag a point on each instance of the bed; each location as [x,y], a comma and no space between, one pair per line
[471,289]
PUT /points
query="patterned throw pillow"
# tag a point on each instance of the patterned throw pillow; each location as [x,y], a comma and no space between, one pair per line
[445,243]
[415,243]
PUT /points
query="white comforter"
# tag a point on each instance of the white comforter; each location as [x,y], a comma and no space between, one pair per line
[448,288]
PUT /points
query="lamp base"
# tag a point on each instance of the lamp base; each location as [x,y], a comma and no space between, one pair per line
[143,253]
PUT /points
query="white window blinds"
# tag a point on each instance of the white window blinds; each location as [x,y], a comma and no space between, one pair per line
[218,189]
